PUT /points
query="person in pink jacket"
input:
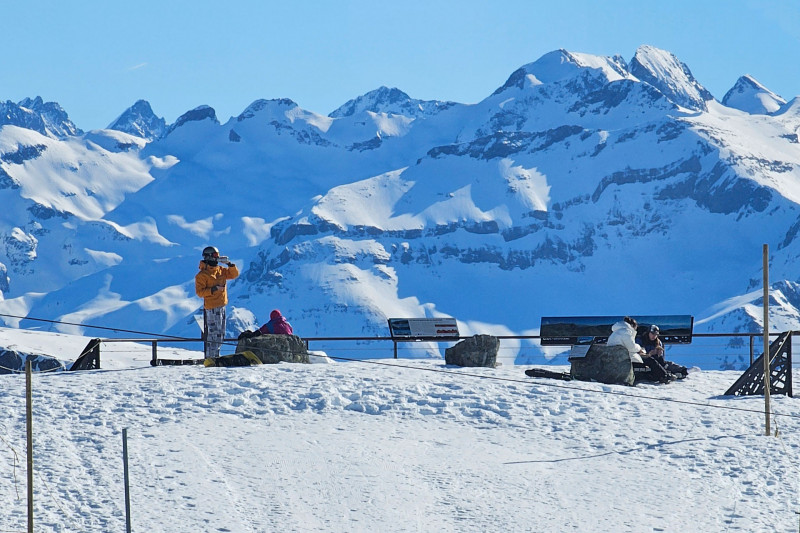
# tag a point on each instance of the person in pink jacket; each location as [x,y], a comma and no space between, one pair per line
[277,325]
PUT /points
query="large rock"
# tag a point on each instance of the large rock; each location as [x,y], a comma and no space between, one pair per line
[13,362]
[478,350]
[271,349]
[606,364]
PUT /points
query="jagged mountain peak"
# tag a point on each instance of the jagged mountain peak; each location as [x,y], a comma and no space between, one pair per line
[141,121]
[32,103]
[48,118]
[748,95]
[389,100]
[664,71]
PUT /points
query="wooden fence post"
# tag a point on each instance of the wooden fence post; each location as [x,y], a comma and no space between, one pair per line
[29,419]
[767,373]
[127,484]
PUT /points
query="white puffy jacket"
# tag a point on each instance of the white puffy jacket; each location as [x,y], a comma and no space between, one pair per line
[623,334]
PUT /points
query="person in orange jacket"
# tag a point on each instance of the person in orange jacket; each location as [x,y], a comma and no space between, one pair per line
[210,284]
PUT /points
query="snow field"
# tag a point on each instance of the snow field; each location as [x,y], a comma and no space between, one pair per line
[405,446]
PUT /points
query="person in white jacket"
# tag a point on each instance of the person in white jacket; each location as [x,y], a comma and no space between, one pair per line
[623,333]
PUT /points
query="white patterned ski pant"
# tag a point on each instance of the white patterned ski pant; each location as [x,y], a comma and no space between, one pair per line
[214,331]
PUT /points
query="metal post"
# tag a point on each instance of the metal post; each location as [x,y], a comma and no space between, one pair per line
[767,373]
[29,418]
[154,360]
[395,348]
[752,348]
[127,485]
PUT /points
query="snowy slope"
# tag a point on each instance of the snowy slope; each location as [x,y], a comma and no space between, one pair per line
[406,445]
[583,185]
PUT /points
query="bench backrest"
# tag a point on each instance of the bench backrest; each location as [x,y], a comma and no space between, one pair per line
[572,330]
[423,328]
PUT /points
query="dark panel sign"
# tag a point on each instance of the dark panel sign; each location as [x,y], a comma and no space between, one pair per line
[410,328]
[572,330]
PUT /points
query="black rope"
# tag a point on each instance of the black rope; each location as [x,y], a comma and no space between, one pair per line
[119,330]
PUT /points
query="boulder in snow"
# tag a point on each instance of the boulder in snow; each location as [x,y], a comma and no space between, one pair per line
[13,362]
[478,350]
[271,349]
[606,364]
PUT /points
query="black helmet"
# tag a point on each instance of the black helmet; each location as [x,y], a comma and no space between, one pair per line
[210,254]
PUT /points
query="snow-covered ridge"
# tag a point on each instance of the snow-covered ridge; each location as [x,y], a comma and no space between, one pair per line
[390,101]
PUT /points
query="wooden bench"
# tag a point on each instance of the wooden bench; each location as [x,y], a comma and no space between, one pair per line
[422,329]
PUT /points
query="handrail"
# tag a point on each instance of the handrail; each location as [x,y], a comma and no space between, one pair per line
[395,340]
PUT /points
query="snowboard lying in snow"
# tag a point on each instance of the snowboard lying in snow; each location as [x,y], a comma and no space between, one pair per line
[245,358]
[176,362]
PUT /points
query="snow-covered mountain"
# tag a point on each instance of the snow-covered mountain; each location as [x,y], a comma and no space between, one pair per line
[583,185]
[750,96]
[48,118]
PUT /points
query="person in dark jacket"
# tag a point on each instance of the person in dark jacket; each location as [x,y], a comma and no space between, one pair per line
[645,368]
[277,325]
[654,348]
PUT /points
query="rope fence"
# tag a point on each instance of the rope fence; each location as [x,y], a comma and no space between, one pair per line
[735,351]
[528,351]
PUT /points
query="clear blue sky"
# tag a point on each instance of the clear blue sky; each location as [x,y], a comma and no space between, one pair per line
[96,58]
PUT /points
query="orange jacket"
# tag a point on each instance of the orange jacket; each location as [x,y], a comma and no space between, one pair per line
[213,276]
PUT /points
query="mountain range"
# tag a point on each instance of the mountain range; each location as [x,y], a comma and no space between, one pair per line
[583,185]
